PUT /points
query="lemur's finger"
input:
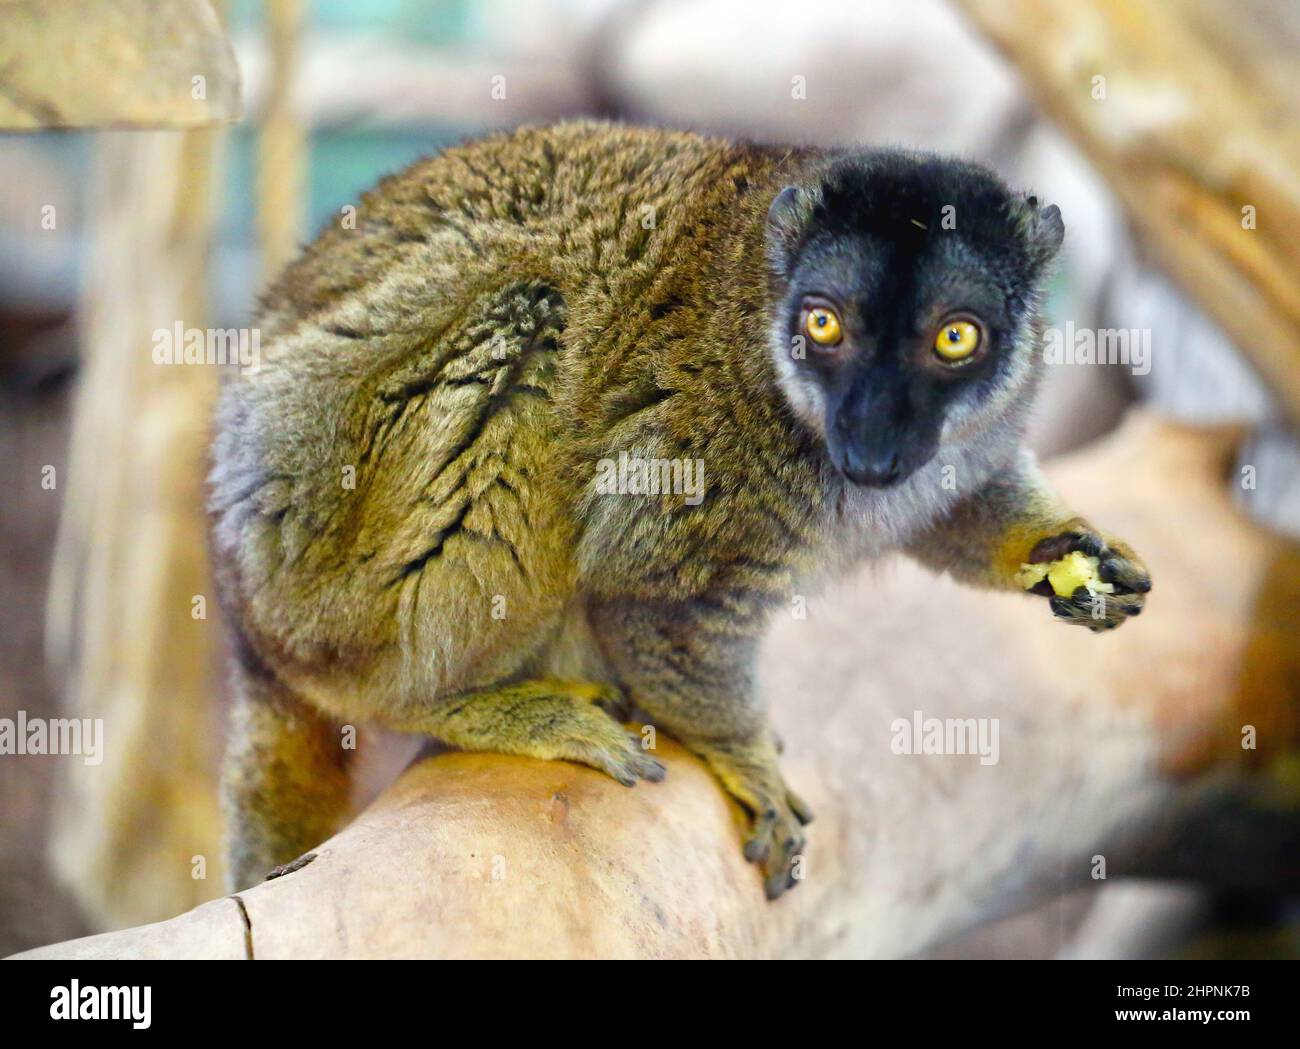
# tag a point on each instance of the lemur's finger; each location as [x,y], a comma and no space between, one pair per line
[1125,606]
[1089,543]
[1097,611]
[1054,547]
[799,807]
[1043,588]
[760,841]
[1080,612]
[777,883]
[778,871]
[1125,573]
[644,765]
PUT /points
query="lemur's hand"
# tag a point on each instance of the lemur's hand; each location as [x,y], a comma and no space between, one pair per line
[1116,586]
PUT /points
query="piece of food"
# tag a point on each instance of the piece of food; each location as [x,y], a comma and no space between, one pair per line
[1072,571]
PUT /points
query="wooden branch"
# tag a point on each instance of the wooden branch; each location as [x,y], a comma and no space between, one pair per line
[1107,744]
[1198,121]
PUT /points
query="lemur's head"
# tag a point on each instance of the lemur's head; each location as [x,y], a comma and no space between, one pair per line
[906,289]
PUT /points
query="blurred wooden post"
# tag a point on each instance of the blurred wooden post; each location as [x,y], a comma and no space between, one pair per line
[133,619]
[282,144]
[128,633]
[130,560]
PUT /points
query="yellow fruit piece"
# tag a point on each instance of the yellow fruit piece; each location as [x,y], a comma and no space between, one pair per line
[1074,570]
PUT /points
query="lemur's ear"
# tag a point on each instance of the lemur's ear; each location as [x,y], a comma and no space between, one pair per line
[784,206]
[1046,230]
[787,218]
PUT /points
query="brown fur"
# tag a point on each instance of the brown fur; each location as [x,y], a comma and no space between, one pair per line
[502,317]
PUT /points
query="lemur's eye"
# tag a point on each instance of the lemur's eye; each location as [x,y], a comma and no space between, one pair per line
[823,326]
[957,340]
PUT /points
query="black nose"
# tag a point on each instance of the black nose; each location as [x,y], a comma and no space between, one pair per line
[876,470]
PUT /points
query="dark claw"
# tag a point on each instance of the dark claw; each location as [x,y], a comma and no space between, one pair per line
[776,885]
[1112,572]
[801,811]
[1090,545]
[655,771]
[778,882]
[1125,575]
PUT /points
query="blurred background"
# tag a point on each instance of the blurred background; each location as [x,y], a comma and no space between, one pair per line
[163,166]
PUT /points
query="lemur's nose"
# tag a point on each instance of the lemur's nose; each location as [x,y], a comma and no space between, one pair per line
[877,469]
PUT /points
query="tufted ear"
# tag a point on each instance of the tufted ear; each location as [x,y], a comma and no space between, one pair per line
[787,218]
[784,207]
[1045,229]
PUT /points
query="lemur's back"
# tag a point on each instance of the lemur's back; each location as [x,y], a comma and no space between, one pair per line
[575,201]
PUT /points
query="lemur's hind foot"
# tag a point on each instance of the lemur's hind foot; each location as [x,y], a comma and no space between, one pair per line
[777,816]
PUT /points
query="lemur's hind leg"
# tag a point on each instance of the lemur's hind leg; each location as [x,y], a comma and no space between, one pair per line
[691,668]
[285,785]
[541,718]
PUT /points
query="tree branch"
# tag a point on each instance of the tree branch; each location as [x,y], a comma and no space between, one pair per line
[1124,746]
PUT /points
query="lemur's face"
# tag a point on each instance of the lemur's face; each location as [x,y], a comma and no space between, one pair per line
[907,287]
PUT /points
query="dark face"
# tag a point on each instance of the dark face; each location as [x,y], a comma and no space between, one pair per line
[906,284]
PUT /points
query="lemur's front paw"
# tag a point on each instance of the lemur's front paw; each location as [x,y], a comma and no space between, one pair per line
[1089,580]
[629,762]
[602,742]
[777,815]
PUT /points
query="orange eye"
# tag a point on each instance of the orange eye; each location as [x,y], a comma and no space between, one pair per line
[957,340]
[823,326]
